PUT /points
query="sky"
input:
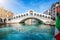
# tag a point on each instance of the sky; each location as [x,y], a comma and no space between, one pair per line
[22,6]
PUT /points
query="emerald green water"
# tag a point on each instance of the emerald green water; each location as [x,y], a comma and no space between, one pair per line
[26,32]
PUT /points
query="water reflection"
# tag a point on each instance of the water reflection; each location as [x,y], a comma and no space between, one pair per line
[26,32]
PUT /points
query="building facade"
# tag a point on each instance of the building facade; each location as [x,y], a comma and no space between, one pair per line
[4,15]
[53,12]
[47,12]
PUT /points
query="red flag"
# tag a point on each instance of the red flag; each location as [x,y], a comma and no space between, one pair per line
[58,36]
[58,9]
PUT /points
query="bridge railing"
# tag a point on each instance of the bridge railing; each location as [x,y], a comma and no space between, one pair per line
[27,14]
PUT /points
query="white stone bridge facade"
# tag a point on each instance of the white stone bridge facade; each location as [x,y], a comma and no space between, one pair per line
[31,14]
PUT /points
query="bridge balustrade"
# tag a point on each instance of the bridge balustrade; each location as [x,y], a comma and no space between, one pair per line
[13,17]
[42,15]
[49,17]
[9,19]
[45,16]
[38,15]
[19,16]
[24,15]
[16,17]
[31,14]
[34,14]
[27,14]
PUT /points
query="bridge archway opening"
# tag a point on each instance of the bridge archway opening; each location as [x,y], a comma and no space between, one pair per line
[5,20]
[31,21]
[0,19]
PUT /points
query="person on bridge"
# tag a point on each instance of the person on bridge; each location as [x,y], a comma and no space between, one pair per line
[57,31]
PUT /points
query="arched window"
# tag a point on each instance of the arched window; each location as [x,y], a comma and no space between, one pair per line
[49,17]
[37,14]
[34,14]
[19,15]
[27,14]
[24,14]
[14,17]
[31,12]
[0,19]
[40,15]
[9,19]
[5,20]
[45,16]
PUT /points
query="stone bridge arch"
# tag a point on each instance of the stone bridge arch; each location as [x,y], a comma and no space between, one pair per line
[30,14]
[30,18]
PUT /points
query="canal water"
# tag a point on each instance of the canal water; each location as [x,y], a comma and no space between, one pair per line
[26,32]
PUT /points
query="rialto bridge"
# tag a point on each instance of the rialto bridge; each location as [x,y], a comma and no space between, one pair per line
[31,14]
